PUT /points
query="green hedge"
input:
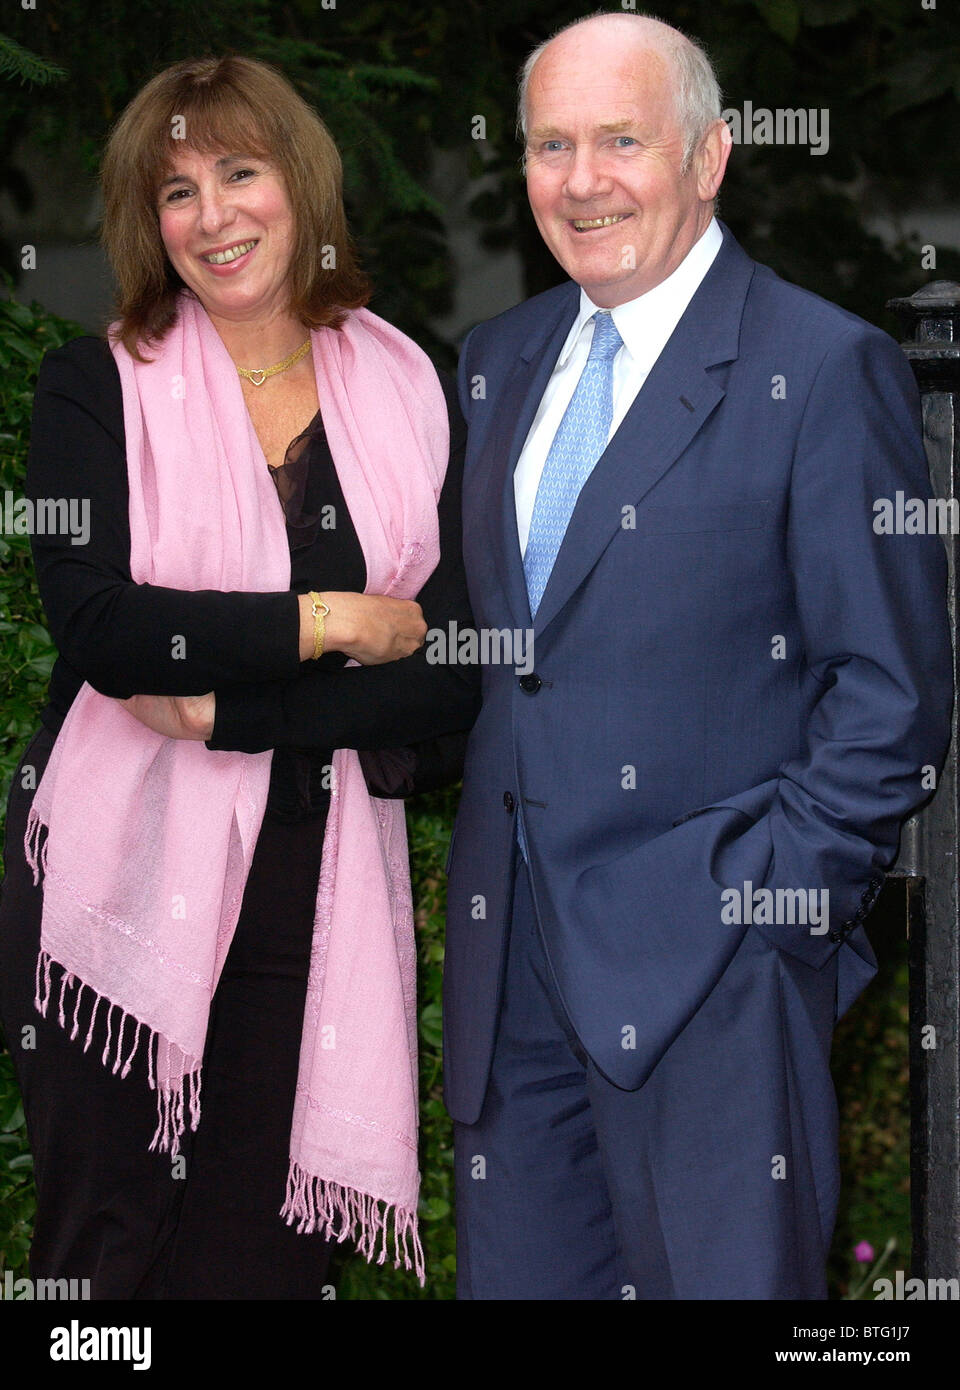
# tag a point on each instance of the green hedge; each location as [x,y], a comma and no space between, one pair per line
[26,660]
[26,652]
[870,1052]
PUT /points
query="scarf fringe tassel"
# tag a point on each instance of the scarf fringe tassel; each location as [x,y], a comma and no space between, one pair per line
[32,845]
[317,1204]
[171,1101]
[339,1213]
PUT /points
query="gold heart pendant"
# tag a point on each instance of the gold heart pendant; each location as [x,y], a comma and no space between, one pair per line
[261,374]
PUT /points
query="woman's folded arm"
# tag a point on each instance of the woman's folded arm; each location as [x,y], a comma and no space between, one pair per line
[121,637]
[388,706]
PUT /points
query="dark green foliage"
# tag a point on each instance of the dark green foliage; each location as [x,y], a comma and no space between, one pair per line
[26,659]
[17,1199]
[26,652]
[19,63]
[870,1064]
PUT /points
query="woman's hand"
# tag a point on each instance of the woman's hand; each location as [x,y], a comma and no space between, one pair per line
[175,716]
[367,627]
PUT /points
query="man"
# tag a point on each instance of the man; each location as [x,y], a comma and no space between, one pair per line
[673,826]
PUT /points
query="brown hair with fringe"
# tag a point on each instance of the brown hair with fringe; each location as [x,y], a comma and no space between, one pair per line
[228,105]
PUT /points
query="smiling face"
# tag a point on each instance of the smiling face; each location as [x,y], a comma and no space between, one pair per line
[228,229]
[603,159]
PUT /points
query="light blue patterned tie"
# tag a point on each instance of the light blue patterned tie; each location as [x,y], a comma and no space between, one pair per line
[579,441]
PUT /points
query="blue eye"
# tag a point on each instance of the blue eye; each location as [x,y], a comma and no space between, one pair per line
[629,139]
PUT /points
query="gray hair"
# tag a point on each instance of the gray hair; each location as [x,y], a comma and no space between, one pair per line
[696,92]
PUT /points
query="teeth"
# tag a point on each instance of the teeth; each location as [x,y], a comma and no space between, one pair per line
[224,257]
[583,224]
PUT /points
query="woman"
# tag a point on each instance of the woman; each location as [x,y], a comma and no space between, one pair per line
[266,465]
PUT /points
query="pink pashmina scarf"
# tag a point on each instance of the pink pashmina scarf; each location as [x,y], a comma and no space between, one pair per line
[150,839]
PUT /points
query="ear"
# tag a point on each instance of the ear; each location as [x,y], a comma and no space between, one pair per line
[710,160]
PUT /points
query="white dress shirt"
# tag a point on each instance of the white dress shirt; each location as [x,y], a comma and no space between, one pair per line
[644,324]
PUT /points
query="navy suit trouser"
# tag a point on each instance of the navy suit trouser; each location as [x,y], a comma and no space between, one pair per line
[717,1179]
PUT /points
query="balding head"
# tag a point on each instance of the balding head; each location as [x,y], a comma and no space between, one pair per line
[692,81]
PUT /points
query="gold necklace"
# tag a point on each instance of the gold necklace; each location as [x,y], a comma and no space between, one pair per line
[259,375]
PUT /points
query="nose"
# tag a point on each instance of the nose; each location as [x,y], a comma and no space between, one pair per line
[214,208]
[585,176]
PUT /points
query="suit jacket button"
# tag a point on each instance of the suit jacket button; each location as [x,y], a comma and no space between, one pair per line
[508,801]
[835,935]
[530,684]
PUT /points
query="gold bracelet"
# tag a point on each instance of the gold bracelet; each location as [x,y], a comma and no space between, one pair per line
[320,612]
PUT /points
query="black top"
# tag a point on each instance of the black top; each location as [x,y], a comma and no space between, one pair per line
[244,646]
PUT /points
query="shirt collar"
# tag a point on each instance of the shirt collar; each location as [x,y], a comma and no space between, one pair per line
[638,320]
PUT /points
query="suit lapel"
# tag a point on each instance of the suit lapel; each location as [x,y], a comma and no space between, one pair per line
[675,401]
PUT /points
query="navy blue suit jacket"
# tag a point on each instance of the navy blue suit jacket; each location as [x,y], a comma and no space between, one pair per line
[740,681]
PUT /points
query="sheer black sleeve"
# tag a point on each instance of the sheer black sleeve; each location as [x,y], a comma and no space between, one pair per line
[401,703]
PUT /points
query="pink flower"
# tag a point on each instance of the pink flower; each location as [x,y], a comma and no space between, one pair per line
[863,1253]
